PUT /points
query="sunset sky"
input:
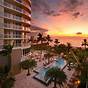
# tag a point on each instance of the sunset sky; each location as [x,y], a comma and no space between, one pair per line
[61,17]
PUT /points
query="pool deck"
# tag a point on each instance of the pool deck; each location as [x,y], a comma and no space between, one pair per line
[23,81]
[40,72]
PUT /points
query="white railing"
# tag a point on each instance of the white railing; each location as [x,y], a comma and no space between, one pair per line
[13,7]
[24,4]
[14,26]
[7,36]
[1,47]
[14,17]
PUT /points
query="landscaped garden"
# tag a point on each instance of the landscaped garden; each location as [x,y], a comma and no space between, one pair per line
[43,53]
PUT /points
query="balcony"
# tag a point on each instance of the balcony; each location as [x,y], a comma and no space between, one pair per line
[7,36]
[15,27]
[7,25]
[17,36]
[1,25]
[13,7]
[17,44]
[26,28]
[23,4]
[12,26]
[1,47]
[15,18]
[26,13]
[1,35]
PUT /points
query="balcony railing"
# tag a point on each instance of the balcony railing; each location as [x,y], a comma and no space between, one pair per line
[13,7]
[14,27]
[14,17]
[1,35]
[23,3]
[1,25]
[17,36]
[1,47]
[12,36]
[7,36]
[17,44]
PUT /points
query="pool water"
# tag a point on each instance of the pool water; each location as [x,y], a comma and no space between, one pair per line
[60,63]
[40,76]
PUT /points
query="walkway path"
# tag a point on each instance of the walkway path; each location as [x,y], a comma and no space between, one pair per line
[23,81]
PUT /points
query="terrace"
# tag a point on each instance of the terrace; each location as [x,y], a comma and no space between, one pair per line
[36,79]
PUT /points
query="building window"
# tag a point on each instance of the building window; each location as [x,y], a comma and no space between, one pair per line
[17,43]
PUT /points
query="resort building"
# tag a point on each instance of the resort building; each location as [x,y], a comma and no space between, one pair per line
[35,30]
[15,16]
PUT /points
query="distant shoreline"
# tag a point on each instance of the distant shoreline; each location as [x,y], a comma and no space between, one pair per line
[75,41]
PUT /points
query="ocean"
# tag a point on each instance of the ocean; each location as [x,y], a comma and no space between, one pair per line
[75,41]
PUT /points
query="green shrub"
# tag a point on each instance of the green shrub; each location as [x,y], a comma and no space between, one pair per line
[8,83]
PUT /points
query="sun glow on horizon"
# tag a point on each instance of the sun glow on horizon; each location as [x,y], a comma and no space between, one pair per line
[62,34]
[57,33]
[72,30]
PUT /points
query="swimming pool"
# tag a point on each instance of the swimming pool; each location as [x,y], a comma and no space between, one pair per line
[60,63]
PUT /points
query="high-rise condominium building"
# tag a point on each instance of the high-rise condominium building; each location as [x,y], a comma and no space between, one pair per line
[15,26]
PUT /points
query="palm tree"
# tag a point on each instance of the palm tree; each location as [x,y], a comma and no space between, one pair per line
[56,42]
[7,50]
[28,64]
[33,63]
[83,68]
[41,38]
[56,75]
[48,39]
[31,40]
[5,69]
[68,46]
[85,43]
[48,56]
[79,58]
[84,76]
[60,48]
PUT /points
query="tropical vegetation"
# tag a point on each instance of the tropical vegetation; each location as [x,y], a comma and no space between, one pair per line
[56,42]
[28,65]
[85,43]
[6,80]
[56,75]
[79,58]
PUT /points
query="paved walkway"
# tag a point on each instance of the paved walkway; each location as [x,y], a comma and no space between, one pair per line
[23,81]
